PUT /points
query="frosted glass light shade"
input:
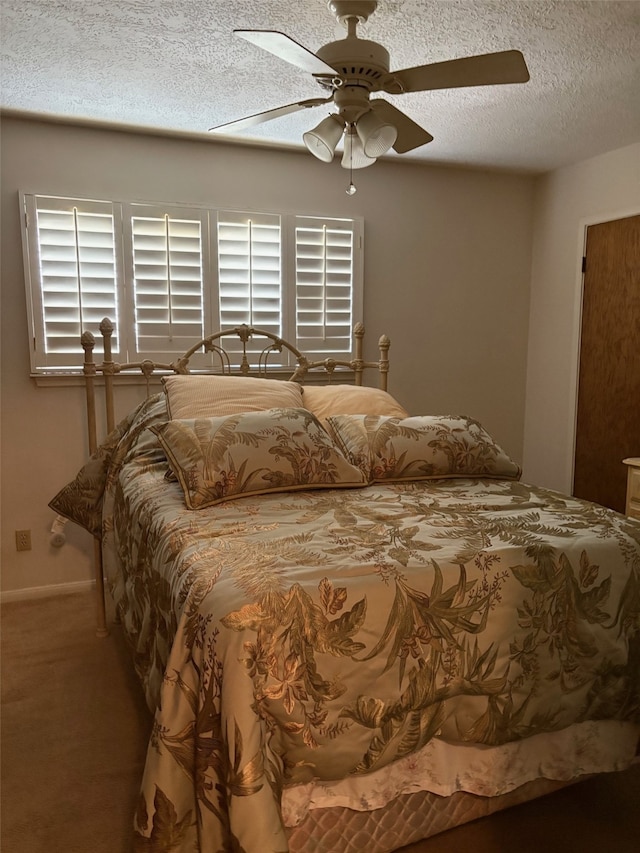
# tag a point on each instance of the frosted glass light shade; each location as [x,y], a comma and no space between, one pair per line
[322,140]
[354,156]
[376,136]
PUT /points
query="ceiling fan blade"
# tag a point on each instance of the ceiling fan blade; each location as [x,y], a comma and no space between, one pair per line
[488,69]
[268,115]
[410,134]
[284,47]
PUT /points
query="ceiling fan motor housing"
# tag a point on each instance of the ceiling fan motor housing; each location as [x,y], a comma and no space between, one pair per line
[356,61]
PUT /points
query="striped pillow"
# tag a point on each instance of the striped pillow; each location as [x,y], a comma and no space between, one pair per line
[194,396]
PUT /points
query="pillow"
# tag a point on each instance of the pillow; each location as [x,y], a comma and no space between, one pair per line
[419,448]
[251,453]
[211,396]
[327,400]
[81,500]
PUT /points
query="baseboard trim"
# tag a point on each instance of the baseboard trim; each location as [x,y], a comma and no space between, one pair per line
[33,592]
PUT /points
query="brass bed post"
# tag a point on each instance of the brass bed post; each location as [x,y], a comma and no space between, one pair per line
[358,363]
[89,370]
[383,366]
[108,367]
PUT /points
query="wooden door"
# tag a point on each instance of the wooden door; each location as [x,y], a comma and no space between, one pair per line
[608,417]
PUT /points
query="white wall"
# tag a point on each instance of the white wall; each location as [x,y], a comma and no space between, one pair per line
[566,202]
[447,268]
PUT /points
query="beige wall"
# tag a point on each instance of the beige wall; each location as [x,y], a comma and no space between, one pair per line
[447,269]
[566,202]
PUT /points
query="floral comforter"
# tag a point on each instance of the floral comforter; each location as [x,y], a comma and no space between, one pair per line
[324,634]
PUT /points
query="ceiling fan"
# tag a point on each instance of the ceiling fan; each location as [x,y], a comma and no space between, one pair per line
[351,70]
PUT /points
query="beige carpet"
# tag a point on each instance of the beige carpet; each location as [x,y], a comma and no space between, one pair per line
[74,733]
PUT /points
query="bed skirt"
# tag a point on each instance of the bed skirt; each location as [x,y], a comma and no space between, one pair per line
[444,786]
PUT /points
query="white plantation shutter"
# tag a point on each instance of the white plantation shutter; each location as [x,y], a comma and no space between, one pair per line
[168,260]
[169,275]
[250,274]
[326,254]
[74,263]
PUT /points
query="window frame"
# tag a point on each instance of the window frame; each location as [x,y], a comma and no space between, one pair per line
[124,283]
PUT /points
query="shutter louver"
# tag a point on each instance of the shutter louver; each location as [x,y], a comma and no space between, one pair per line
[76,255]
[324,285]
[250,274]
[168,283]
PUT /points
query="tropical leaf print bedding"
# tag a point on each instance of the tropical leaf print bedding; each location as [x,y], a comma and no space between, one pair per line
[321,634]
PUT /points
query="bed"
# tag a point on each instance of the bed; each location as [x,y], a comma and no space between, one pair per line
[355,627]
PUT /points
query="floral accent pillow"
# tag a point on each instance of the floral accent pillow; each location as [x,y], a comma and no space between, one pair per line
[252,453]
[418,448]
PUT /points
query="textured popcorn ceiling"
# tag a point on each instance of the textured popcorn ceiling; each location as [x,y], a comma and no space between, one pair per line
[175,65]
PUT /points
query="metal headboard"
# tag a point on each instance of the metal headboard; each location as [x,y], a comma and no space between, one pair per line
[249,363]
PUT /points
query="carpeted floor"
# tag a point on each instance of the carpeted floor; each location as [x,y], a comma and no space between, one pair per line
[74,733]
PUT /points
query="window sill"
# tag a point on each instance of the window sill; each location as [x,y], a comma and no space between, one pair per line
[60,380]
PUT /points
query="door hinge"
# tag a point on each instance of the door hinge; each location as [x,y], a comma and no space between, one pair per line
[584,263]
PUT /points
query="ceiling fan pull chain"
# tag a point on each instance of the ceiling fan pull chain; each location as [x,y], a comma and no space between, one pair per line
[351,189]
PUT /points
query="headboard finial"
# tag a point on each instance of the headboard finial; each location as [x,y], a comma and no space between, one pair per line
[88,341]
[106,327]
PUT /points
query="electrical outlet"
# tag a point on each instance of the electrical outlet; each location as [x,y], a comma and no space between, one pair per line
[23,540]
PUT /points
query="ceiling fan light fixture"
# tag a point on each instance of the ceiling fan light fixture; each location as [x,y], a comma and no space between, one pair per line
[376,136]
[354,156]
[322,140]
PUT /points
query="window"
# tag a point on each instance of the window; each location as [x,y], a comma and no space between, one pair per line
[72,270]
[324,285]
[168,275]
[166,261]
[250,286]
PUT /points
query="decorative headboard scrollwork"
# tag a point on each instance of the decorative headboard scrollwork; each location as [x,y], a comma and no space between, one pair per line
[254,362]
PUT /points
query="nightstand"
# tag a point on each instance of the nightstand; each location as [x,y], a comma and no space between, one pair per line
[633,487]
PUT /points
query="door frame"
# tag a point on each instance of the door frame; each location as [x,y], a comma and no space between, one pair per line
[583,224]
